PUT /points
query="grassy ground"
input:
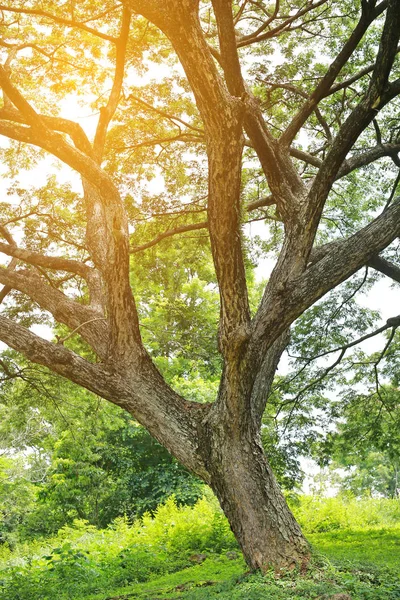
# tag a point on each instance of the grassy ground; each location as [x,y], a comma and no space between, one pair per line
[364,565]
[206,578]
[356,554]
[380,547]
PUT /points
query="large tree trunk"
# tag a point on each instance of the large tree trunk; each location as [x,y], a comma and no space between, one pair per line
[256,509]
[266,530]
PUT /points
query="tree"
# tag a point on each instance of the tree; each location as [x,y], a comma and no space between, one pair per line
[366,443]
[344,99]
[17,496]
[355,427]
[90,462]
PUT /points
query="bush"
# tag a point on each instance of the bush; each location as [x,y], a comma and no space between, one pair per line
[182,530]
[82,559]
[316,514]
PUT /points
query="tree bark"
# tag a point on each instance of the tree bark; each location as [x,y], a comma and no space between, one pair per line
[246,488]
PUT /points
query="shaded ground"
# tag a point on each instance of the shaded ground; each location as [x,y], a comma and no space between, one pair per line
[361,565]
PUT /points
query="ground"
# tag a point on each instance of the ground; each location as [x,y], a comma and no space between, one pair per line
[347,564]
[189,553]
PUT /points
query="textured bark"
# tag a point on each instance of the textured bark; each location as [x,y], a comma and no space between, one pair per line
[242,479]
[244,483]
[265,377]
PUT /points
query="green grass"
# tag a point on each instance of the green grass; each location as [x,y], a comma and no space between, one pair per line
[152,558]
[213,571]
[379,547]
[363,564]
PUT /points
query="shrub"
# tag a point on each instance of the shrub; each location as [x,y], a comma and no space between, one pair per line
[317,514]
[81,559]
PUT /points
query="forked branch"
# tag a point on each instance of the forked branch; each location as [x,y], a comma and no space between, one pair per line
[368,15]
[107,112]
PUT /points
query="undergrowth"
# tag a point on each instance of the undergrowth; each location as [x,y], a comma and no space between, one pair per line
[190,553]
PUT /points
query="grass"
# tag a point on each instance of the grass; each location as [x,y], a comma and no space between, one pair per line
[380,547]
[363,564]
[212,572]
[152,559]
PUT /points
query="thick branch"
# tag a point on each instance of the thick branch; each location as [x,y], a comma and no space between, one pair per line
[107,237]
[386,267]
[345,258]
[279,170]
[179,21]
[74,130]
[19,101]
[368,15]
[222,117]
[376,262]
[296,90]
[56,145]
[107,112]
[227,42]
[379,93]
[113,261]
[265,377]
[261,203]
[49,262]
[63,309]
[115,229]
[144,394]
[365,158]
[305,157]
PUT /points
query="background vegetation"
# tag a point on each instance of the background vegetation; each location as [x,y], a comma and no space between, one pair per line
[190,552]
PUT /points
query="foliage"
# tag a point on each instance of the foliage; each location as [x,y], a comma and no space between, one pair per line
[110,472]
[80,557]
[342,410]
[366,443]
[17,497]
[317,514]
[153,558]
[94,463]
